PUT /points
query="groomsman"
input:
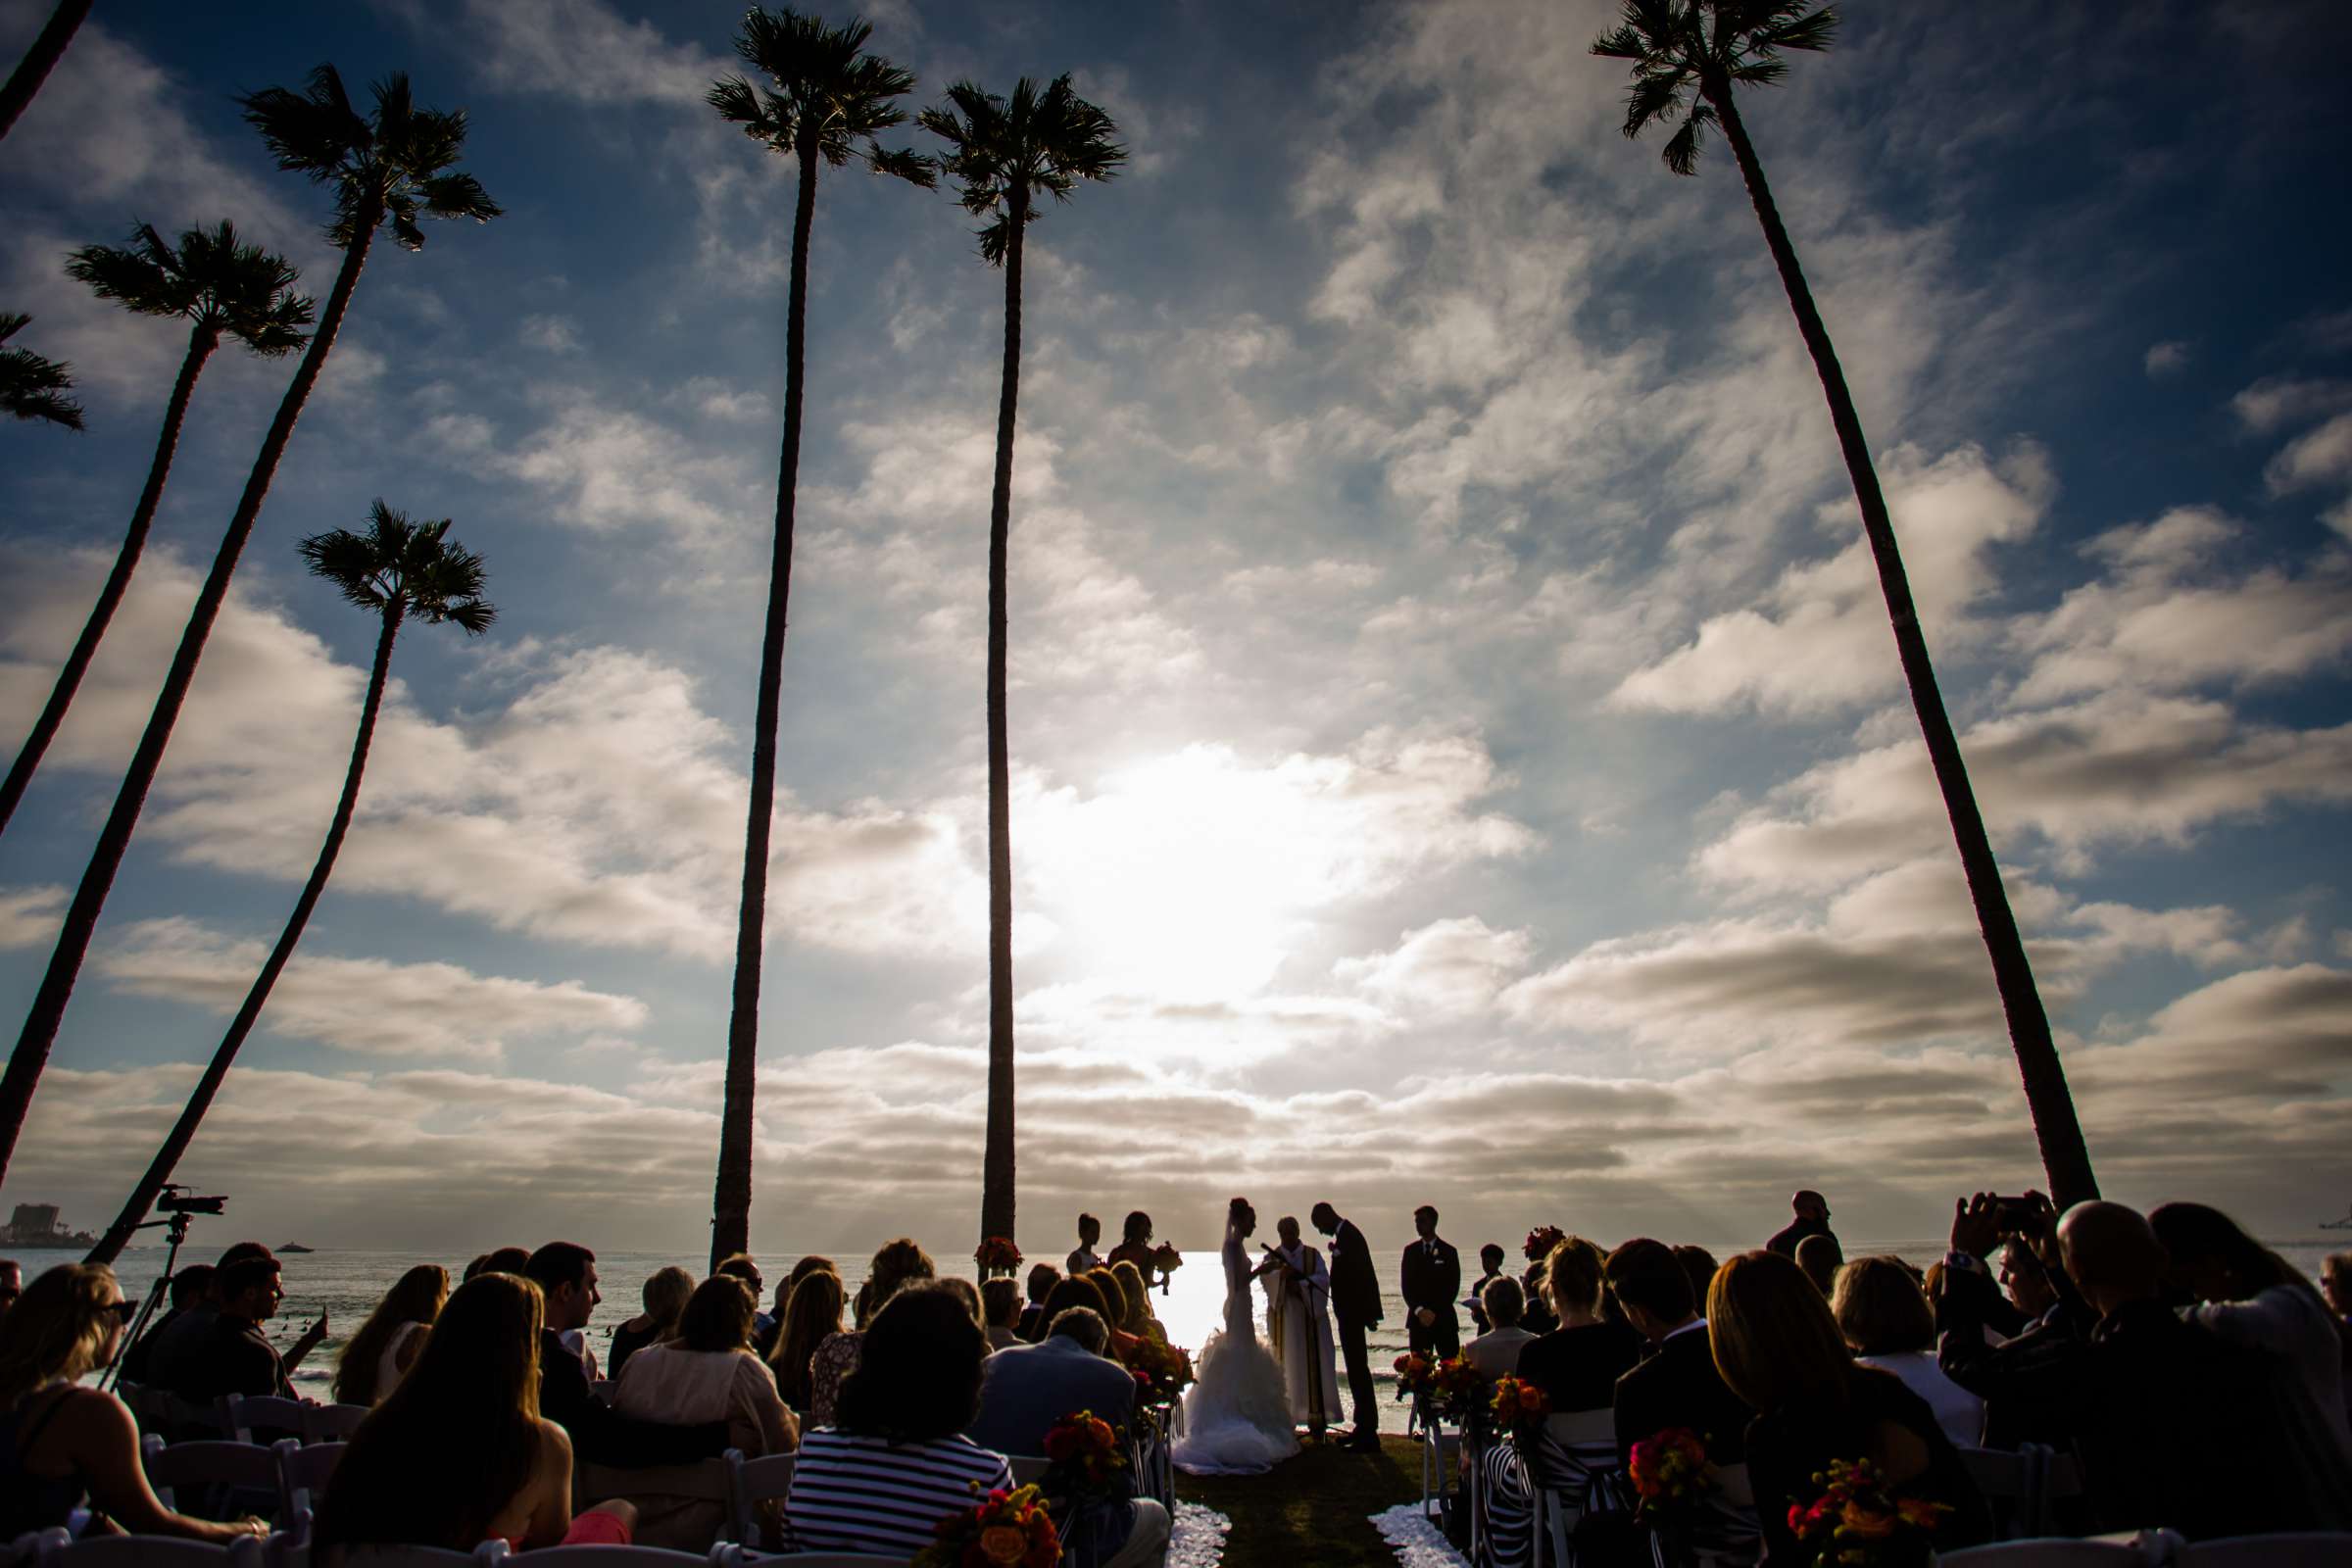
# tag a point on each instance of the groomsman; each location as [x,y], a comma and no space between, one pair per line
[1431,1278]
[1354,1309]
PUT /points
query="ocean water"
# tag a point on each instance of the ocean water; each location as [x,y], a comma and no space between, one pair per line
[347,1285]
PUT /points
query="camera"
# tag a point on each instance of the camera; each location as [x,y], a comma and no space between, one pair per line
[180,1201]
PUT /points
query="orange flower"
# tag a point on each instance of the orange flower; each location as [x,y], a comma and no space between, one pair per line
[1866,1522]
[1921,1513]
[1004,1543]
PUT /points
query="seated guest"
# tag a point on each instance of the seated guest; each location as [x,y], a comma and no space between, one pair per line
[2173,1424]
[1679,1385]
[1820,1259]
[1490,1265]
[1114,1311]
[2335,1278]
[2006,1346]
[63,1447]
[1577,1365]
[707,1372]
[500,1260]
[1534,1289]
[1779,1351]
[665,1296]
[1079,1290]
[1139,1320]
[1029,1388]
[566,1274]
[2253,1296]
[763,1327]
[234,1356]
[1890,1326]
[379,1355]
[1000,1311]
[897,1264]
[191,1291]
[968,1293]
[1698,1267]
[897,1462]
[459,1453]
[1496,1352]
[1042,1277]
[813,1264]
[810,1317]
[2025,1283]
[1135,1242]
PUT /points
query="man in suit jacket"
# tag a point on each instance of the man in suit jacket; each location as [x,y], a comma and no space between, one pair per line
[1028,1387]
[566,1274]
[1354,1309]
[1433,1278]
[1678,1386]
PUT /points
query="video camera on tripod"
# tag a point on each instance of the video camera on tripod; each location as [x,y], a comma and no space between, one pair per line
[178,1206]
[177,1199]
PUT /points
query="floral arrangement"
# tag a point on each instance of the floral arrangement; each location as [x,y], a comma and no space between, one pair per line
[1167,1261]
[1458,1385]
[1003,1530]
[1670,1472]
[1162,1372]
[997,1254]
[1857,1523]
[1087,1452]
[1415,1376]
[1515,1402]
[1541,1241]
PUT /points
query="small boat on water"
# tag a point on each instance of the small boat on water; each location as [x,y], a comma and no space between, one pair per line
[297,1246]
[2344,1224]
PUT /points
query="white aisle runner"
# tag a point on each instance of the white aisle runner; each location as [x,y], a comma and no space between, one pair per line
[1419,1543]
[1197,1537]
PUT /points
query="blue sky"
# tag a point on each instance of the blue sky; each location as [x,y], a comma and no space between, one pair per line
[1458,742]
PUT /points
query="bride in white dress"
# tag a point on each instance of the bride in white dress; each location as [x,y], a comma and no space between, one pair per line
[1236,1418]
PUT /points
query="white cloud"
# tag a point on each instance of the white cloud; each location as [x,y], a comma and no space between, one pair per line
[557,334]
[2163,360]
[2274,401]
[29,917]
[2317,457]
[358,1005]
[1455,965]
[577,49]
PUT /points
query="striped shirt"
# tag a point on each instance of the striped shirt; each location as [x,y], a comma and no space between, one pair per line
[851,1492]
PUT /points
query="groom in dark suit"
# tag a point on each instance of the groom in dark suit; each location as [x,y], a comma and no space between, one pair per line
[1354,1309]
[1432,1278]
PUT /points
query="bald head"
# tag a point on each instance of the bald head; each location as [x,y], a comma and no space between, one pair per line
[2112,1254]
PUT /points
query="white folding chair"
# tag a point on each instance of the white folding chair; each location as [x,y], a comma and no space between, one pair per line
[244,1412]
[333,1423]
[25,1550]
[2055,1552]
[146,1552]
[2010,1481]
[207,1462]
[2057,1479]
[485,1555]
[607,1557]
[302,1472]
[1588,1440]
[824,1559]
[1028,1468]
[701,1482]
[2298,1549]
[750,1482]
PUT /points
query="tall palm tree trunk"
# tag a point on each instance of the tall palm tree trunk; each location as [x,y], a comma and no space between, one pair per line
[39,1033]
[731,1208]
[183,1131]
[2064,1156]
[39,59]
[996,1161]
[202,340]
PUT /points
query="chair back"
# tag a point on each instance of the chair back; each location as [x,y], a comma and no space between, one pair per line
[302,1472]
[246,1412]
[829,1560]
[166,1414]
[608,1557]
[146,1552]
[2054,1551]
[1028,1468]
[485,1555]
[333,1423]
[2302,1549]
[206,1462]
[1580,1429]
[2012,1484]
[750,1482]
[592,1484]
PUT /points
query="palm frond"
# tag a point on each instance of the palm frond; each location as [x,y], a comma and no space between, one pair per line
[1682,149]
[145,276]
[903,163]
[313,132]
[405,563]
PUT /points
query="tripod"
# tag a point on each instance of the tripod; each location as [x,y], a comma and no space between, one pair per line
[178,1233]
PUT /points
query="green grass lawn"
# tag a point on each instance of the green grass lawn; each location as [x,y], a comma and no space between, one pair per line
[1311,1510]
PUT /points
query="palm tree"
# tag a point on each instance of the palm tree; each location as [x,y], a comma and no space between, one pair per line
[1002,154]
[39,59]
[400,570]
[391,168]
[220,284]
[31,387]
[826,100]
[1688,56]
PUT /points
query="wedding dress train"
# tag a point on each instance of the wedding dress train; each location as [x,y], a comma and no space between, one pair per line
[1237,1417]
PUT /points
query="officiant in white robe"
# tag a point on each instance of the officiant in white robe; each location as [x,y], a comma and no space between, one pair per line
[1298,1325]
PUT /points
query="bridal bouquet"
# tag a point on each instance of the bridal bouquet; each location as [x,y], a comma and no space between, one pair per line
[1003,1530]
[1087,1452]
[1857,1523]
[1541,1241]
[1167,1261]
[1670,1472]
[997,1256]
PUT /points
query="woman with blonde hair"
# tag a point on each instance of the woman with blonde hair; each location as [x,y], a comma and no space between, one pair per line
[665,1298]
[61,1444]
[459,1453]
[811,1315]
[1887,1322]
[1138,1320]
[380,1354]
[897,1263]
[1779,1349]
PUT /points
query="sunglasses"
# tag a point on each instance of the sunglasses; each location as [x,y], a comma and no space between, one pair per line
[124,1310]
